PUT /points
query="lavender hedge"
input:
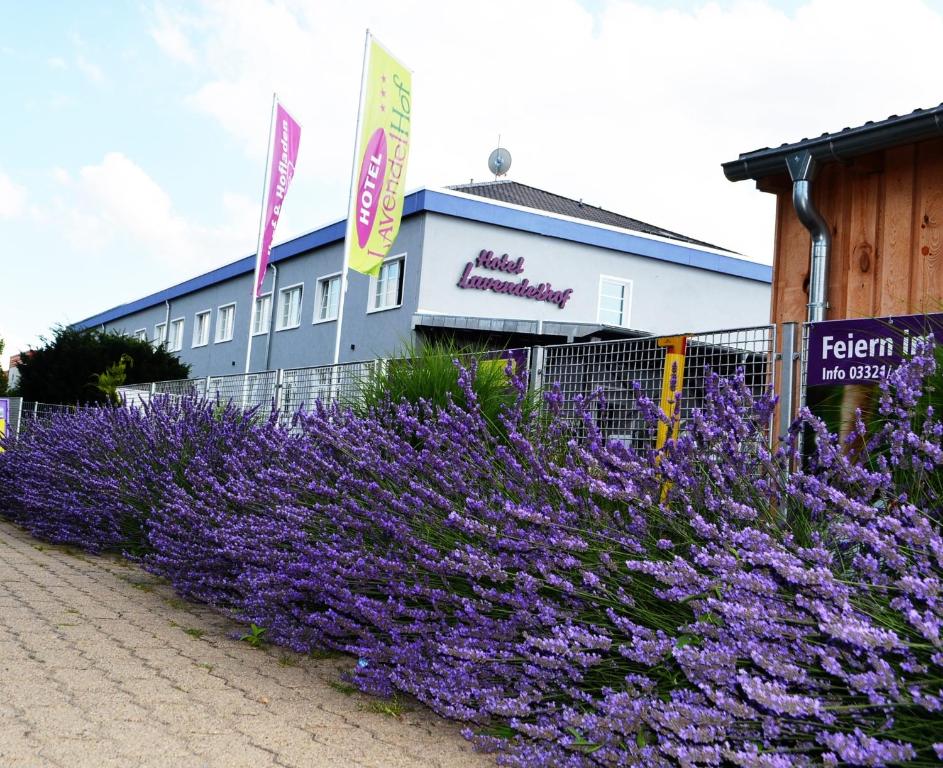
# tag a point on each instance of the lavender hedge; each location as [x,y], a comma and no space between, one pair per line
[576,603]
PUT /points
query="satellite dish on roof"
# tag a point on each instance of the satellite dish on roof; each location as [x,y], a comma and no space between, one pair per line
[499,161]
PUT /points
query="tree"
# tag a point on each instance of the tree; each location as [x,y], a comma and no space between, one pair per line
[114,377]
[70,367]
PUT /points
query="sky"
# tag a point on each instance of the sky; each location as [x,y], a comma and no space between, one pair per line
[133,133]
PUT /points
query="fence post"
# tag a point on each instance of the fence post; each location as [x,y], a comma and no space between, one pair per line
[206,388]
[536,368]
[787,381]
[279,386]
[19,414]
[335,383]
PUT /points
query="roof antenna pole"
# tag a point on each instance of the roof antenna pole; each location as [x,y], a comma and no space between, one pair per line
[499,148]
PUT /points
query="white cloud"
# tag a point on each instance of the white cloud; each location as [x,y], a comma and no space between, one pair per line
[55,62]
[170,33]
[12,198]
[115,205]
[633,108]
[83,63]
[91,70]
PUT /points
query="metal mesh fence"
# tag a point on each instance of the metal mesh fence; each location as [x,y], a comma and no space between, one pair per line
[622,371]
[804,437]
[139,394]
[613,369]
[247,391]
[27,412]
[286,390]
[16,409]
[303,387]
[804,365]
[724,353]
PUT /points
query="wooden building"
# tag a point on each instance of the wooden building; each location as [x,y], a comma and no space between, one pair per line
[879,188]
[859,228]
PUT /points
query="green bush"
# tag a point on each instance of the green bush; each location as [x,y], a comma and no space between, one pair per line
[429,373]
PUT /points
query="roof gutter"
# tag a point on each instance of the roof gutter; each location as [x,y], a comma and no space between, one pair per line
[802,169]
[920,125]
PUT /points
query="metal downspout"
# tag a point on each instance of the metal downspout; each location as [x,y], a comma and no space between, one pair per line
[163,341]
[271,318]
[802,169]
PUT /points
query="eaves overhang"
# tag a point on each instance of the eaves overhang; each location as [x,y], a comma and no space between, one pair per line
[919,125]
[569,330]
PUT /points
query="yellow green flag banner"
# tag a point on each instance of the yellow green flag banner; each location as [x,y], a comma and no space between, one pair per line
[379,173]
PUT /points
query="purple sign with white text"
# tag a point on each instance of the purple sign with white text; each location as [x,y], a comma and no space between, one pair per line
[864,351]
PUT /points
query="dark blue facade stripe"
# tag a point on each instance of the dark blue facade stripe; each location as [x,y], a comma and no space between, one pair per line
[482,211]
[331,233]
[189,286]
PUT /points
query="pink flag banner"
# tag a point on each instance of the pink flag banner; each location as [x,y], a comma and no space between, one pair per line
[286,135]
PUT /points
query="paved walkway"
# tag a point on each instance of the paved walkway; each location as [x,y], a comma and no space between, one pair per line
[101,665]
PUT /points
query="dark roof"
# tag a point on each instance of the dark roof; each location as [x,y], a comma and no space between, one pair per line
[514,192]
[845,144]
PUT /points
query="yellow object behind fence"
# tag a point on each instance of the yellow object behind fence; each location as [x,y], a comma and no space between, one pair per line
[671,382]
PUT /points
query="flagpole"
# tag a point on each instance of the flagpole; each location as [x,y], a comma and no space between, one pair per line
[353,172]
[258,249]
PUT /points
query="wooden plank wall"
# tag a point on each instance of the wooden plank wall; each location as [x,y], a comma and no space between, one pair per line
[886,215]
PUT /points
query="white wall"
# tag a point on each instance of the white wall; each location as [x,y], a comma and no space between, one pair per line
[666,297]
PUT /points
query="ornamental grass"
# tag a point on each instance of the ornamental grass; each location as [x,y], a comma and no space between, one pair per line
[574,602]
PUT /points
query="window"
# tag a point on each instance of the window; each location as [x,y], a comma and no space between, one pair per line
[329,295]
[386,290]
[159,334]
[289,307]
[225,320]
[201,329]
[615,300]
[263,313]
[175,337]
[141,334]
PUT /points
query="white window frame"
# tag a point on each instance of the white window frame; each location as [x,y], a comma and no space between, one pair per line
[171,347]
[159,329]
[195,342]
[218,338]
[278,309]
[372,290]
[626,300]
[140,334]
[263,319]
[322,282]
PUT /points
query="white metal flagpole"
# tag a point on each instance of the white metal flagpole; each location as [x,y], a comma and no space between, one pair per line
[353,184]
[258,249]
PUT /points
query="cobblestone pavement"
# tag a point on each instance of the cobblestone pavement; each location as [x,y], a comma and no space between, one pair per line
[101,666]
